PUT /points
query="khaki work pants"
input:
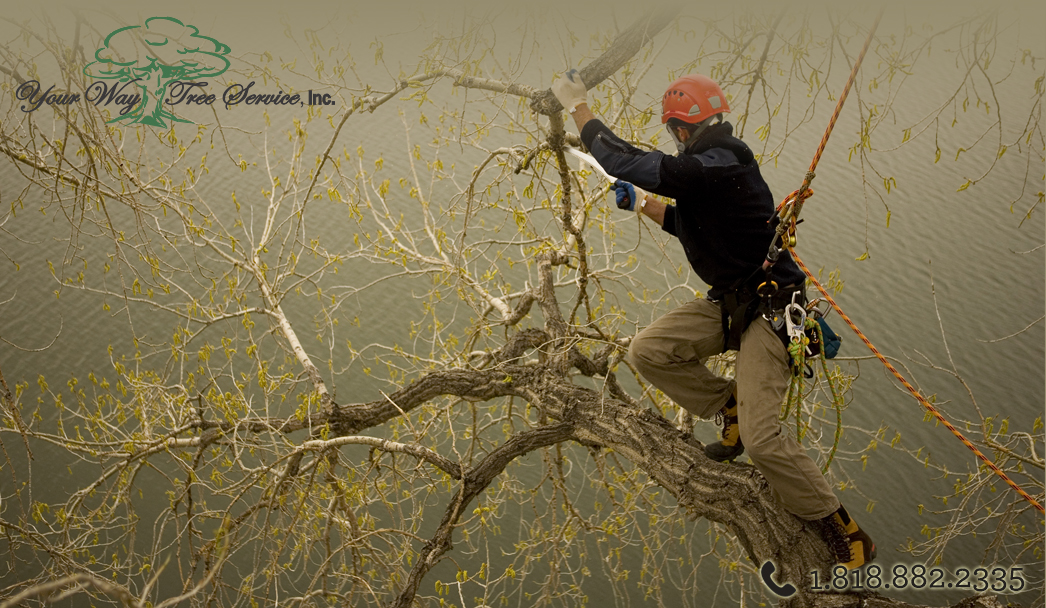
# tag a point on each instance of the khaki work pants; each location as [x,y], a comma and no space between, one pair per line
[670,353]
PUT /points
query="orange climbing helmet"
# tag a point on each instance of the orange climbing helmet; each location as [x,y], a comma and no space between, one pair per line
[693,98]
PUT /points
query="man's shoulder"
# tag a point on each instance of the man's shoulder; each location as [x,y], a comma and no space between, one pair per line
[720,144]
[716,157]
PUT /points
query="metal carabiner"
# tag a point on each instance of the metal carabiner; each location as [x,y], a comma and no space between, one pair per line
[795,320]
[813,308]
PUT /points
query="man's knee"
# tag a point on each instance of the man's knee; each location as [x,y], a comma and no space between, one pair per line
[644,354]
[759,440]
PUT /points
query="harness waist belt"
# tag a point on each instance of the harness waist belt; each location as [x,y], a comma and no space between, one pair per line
[740,307]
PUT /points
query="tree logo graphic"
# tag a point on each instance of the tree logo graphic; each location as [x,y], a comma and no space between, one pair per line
[162,51]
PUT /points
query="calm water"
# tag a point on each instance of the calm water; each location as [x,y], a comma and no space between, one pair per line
[968,241]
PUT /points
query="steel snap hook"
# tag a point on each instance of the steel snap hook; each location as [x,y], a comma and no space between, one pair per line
[795,321]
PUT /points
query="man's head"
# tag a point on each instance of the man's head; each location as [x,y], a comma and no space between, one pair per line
[689,106]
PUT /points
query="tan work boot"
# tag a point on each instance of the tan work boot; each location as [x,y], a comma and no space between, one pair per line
[730,447]
[850,544]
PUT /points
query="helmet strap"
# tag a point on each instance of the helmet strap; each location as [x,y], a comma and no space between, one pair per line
[681,146]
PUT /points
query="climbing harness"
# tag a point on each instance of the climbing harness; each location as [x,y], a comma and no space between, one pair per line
[738,308]
[788,213]
[741,305]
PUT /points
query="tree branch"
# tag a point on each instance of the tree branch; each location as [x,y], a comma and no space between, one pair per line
[620,51]
[475,482]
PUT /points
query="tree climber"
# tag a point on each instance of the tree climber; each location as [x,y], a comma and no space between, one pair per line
[724,218]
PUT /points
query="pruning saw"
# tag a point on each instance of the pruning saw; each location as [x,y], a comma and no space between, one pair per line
[588,160]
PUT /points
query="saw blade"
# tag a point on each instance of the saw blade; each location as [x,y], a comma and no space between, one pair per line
[588,160]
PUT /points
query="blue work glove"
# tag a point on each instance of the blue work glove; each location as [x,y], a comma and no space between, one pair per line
[627,195]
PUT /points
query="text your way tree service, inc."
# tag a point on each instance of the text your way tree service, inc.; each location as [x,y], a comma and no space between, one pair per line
[126,97]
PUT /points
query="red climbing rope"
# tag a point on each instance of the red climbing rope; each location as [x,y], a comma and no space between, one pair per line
[789,210]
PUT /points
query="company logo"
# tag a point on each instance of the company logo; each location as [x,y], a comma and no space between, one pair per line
[163,51]
[154,67]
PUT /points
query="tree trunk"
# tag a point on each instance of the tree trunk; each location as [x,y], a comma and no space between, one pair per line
[152,89]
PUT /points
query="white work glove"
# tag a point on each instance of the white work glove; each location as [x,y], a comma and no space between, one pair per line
[570,90]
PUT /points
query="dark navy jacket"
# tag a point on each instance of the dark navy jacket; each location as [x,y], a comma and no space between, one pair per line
[723,206]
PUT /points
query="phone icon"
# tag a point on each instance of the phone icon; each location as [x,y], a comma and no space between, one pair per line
[766,571]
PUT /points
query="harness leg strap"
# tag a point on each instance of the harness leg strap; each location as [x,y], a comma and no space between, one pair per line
[738,313]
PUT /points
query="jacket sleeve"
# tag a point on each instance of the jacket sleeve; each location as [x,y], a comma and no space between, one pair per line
[669,223]
[653,171]
[621,159]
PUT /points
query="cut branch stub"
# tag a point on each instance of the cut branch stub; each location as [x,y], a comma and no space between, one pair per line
[621,50]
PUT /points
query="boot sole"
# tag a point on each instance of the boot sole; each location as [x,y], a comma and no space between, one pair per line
[727,459]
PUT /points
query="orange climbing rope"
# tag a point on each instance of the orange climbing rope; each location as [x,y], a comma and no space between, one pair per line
[911,389]
[789,210]
[793,203]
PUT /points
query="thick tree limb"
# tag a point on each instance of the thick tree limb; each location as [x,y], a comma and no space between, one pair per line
[621,50]
[735,495]
[470,384]
[475,482]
